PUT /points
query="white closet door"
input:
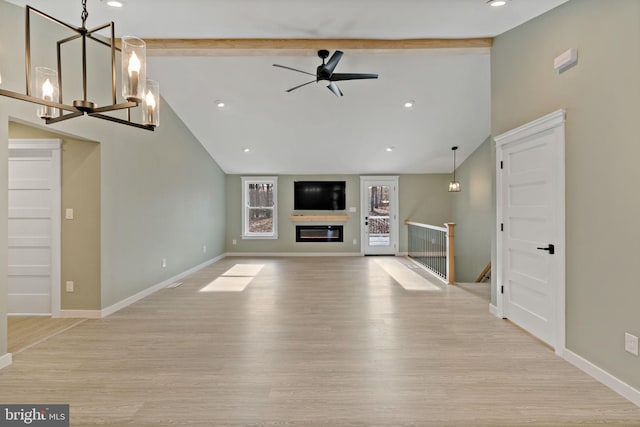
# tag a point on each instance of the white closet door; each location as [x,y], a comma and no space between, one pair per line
[34,220]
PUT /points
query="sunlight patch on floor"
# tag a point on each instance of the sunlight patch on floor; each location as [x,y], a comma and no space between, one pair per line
[228,284]
[235,279]
[244,270]
[408,279]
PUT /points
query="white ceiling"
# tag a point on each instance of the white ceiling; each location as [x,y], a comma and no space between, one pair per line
[311,131]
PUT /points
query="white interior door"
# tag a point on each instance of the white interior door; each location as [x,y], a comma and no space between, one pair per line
[379,208]
[531,215]
[34,227]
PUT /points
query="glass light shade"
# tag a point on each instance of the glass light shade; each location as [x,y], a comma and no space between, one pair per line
[134,68]
[151,104]
[46,88]
[454,186]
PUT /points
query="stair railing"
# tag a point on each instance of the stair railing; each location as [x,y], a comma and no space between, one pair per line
[434,248]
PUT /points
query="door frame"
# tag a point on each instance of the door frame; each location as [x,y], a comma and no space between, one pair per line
[49,148]
[393,225]
[554,122]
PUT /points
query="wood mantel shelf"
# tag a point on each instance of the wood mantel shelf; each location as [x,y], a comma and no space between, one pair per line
[309,218]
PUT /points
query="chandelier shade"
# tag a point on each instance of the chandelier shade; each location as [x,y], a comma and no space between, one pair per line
[151,104]
[134,68]
[46,88]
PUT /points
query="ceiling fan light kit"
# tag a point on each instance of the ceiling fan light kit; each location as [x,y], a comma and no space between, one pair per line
[324,72]
[136,89]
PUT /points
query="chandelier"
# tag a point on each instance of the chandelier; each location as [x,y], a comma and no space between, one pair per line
[47,92]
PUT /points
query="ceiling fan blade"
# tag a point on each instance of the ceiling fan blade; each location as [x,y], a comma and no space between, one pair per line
[351,76]
[299,86]
[292,69]
[335,89]
[333,61]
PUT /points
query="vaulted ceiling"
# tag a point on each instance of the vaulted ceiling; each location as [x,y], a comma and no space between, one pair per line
[311,131]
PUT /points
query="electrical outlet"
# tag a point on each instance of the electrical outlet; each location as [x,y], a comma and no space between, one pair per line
[235,241]
[631,343]
[355,241]
[69,286]
[204,249]
[164,262]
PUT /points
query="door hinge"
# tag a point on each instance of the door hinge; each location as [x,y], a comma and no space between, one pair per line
[502,289]
[502,227]
[501,164]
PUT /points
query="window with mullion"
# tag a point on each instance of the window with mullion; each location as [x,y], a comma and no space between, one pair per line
[259,207]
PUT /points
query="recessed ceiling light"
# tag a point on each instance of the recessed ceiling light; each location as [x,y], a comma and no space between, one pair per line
[219,103]
[496,3]
[114,3]
[246,150]
[410,103]
[389,149]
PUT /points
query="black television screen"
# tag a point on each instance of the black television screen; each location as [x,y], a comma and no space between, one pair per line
[319,195]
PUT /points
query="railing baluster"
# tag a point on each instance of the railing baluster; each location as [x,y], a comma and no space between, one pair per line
[433,248]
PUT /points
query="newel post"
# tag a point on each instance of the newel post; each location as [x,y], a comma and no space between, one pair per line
[451,253]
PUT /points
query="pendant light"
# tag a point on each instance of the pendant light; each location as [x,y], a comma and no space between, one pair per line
[454,186]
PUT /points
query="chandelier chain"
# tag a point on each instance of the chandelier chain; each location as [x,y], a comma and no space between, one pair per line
[85,14]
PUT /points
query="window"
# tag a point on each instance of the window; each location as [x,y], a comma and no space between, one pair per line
[260,207]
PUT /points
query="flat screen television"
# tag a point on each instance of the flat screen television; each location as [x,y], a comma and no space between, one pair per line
[319,195]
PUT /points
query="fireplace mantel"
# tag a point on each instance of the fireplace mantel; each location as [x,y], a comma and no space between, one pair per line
[310,218]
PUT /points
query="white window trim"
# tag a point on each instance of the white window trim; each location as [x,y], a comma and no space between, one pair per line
[246,180]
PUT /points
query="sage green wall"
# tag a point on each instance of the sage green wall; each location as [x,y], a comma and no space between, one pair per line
[601,96]
[422,198]
[286,242]
[473,213]
[80,256]
[162,195]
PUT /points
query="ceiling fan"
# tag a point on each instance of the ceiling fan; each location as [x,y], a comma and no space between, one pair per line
[325,72]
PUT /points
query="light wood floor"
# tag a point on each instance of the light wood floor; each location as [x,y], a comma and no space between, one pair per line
[310,342]
[26,331]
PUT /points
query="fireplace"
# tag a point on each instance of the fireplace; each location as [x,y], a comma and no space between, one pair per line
[319,233]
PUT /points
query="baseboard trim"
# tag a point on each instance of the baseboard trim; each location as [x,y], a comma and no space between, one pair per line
[615,384]
[290,254]
[493,310]
[6,360]
[107,311]
[80,314]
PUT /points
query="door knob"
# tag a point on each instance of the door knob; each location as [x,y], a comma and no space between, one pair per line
[551,249]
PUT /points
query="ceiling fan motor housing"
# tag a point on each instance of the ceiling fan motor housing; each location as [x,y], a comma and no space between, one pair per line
[325,72]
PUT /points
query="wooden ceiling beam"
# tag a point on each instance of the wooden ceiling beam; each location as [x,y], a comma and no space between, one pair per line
[254,47]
